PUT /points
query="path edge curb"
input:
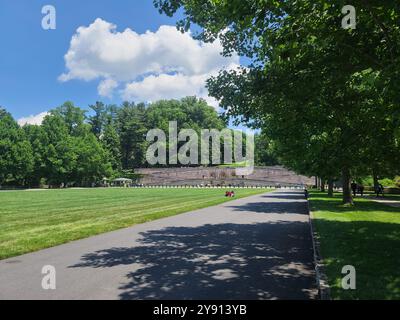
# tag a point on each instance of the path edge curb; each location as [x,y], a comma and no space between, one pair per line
[324,290]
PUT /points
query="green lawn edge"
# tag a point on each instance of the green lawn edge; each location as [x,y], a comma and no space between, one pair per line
[366,236]
[22,243]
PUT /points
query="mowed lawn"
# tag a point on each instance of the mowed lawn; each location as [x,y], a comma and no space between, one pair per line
[366,236]
[33,220]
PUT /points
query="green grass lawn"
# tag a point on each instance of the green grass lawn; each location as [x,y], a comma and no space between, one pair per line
[366,236]
[33,220]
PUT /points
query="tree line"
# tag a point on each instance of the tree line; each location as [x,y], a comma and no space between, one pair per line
[327,97]
[74,147]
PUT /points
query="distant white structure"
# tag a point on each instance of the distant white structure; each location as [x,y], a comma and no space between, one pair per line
[122,182]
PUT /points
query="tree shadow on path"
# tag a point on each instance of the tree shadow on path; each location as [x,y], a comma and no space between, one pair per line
[295,207]
[225,261]
[288,195]
[282,202]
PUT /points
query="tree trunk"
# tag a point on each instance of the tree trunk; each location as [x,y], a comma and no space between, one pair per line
[347,197]
[322,185]
[376,180]
[330,187]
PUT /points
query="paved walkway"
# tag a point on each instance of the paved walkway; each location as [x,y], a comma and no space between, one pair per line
[388,202]
[253,248]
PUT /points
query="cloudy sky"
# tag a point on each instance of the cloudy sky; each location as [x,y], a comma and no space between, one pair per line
[101,50]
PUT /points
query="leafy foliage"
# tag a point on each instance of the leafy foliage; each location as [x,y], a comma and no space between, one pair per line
[16,157]
[72,149]
[323,94]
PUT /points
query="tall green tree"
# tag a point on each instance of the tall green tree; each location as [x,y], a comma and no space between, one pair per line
[73,154]
[73,117]
[307,71]
[59,156]
[264,151]
[98,120]
[38,140]
[16,158]
[188,113]
[92,161]
[111,143]
[132,130]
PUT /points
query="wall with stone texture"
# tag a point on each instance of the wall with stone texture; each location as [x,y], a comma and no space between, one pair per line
[262,176]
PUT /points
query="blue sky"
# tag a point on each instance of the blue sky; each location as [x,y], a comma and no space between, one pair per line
[125,64]
[31,59]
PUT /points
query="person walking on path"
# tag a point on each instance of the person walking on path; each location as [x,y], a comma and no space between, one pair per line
[354,188]
[379,190]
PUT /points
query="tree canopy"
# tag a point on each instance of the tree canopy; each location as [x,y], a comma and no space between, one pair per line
[76,147]
[324,95]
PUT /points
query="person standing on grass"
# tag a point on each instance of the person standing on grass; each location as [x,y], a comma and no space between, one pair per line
[354,188]
[361,190]
[379,190]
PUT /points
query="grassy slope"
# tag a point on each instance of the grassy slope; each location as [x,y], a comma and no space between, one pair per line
[33,220]
[366,236]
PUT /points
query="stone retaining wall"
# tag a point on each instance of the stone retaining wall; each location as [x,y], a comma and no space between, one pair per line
[262,176]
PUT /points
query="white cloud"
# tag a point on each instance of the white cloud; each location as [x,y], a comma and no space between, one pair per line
[165,86]
[151,66]
[106,87]
[33,119]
